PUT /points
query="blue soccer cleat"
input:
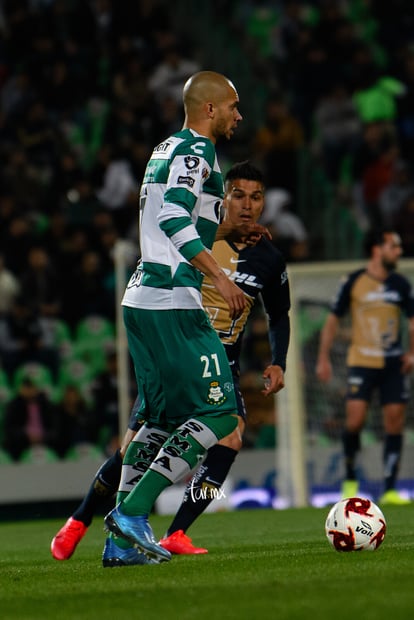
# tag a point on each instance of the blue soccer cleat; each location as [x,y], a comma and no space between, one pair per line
[138,532]
[115,556]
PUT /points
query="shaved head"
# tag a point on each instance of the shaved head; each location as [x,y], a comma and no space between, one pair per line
[206,87]
[211,105]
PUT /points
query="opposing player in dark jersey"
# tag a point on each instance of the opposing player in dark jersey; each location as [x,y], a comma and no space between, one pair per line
[376,298]
[259,270]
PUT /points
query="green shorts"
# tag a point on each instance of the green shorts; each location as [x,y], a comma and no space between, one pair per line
[181,367]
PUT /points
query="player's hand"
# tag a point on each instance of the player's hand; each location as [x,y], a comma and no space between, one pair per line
[232,294]
[249,233]
[324,370]
[274,380]
[255,232]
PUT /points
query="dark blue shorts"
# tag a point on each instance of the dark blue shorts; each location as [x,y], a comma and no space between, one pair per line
[392,385]
[135,420]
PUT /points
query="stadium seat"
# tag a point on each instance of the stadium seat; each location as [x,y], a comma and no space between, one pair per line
[62,338]
[94,335]
[78,372]
[39,455]
[95,329]
[5,458]
[86,451]
[6,394]
[6,391]
[39,374]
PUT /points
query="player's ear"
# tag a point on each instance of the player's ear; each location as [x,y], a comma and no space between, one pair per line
[263,200]
[209,107]
[226,198]
[223,209]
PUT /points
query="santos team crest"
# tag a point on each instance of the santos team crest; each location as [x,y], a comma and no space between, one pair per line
[215,394]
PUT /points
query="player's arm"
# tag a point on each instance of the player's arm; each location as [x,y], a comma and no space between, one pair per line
[274,374]
[186,177]
[339,307]
[408,357]
[231,293]
[327,336]
[191,165]
[276,300]
[248,233]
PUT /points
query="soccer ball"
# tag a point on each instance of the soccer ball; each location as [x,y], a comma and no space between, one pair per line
[355,524]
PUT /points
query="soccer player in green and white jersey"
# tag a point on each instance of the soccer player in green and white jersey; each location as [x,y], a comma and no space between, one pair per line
[182,371]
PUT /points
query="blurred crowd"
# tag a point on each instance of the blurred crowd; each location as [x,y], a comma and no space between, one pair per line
[88,87]
[341,83]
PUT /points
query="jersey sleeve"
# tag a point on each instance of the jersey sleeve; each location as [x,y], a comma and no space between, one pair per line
[190,167]
[276,301]
[341,302]
[408,298]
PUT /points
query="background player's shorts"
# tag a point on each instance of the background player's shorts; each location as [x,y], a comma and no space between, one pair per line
[393,386]
[181,366]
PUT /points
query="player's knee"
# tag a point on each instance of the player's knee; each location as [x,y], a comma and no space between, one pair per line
[233,440]
[394,419]
[394,425]
[355,423]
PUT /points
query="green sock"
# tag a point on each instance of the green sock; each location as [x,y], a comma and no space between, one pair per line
[138,456]
[149,488]
[120,542]
[182,451]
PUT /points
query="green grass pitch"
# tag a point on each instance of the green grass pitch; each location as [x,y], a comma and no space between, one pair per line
[261,564]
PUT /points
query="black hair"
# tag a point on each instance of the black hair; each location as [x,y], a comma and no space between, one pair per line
[244,170]
[376,236]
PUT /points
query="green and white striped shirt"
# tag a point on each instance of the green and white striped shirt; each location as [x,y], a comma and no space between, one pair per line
[180,202]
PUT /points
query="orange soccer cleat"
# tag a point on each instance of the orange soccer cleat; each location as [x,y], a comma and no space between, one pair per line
[180,544]
[67,539]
